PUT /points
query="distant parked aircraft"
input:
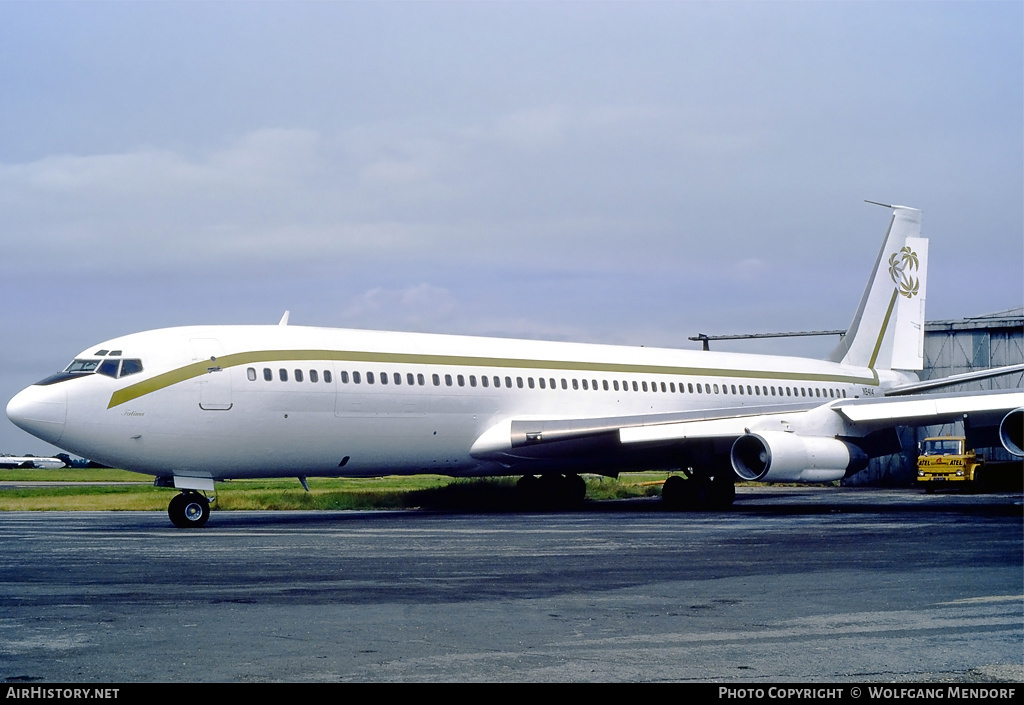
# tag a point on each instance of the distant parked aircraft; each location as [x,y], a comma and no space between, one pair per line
[62,460]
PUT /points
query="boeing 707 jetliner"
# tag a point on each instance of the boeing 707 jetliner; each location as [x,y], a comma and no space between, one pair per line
[195,405]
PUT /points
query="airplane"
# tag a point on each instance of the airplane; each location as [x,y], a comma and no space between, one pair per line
[196,405]
[33,462]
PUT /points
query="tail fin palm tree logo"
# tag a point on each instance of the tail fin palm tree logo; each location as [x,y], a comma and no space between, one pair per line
[901,264]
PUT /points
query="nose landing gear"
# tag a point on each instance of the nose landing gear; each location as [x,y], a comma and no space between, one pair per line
[189,510]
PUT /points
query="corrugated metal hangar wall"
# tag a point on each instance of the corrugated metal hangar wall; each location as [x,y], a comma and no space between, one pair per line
[954,347]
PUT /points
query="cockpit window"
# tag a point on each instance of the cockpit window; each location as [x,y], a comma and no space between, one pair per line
[82,366]
[109,367]
[130,367]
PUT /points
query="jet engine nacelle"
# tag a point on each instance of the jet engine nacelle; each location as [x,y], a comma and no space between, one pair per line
[776,456]
[1011,432]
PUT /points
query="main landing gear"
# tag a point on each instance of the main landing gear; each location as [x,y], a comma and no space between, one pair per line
[699,491]
[189,510]
[551,491]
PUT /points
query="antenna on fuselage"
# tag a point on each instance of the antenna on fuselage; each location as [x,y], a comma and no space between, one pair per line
[284,319]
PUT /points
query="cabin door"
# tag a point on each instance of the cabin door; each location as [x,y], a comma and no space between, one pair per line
[215,383]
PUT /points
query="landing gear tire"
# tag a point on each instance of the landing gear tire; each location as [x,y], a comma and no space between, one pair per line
[673,492]
[551,491]
[189,510]
[527,491]
[576,490]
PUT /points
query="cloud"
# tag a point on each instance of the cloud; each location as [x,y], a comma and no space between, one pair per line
[414,307]
[384,190]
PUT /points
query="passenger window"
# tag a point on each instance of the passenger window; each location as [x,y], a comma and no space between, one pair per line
[585,384]
[383,377]
[461,380]
[436,380]
[267,374]
[344,376]
[543,384]
[298,375]
[313,377]
[497,381]
[356,378]
[327,376]
[410,379]
[529,382]
[508,382]
[420,379]
[448,380]
[251,374]
[519,382]
[369,378]
[484,380]
[472,380]
[283,374]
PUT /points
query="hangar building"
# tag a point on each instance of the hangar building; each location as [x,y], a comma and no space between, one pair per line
[955,347]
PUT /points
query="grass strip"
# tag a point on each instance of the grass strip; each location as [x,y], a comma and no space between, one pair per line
[405,492]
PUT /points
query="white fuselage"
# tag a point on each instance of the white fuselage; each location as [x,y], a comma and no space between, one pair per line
[265,401]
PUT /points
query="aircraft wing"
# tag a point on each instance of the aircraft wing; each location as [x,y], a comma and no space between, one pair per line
[785,442]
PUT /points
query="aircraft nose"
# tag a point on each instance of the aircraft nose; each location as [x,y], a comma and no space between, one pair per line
[40,410]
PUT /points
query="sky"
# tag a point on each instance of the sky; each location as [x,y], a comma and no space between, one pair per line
[618,172]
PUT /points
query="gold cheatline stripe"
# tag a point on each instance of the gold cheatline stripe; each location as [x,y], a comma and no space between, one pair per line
[196,369]
[885,326]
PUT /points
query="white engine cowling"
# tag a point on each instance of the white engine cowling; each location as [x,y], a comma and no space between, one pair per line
[1011,432]
[776,456]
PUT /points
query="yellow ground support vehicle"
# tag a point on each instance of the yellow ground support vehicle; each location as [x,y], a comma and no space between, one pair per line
[945,460]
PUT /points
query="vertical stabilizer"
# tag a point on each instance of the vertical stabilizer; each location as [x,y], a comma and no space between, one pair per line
[888,329]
